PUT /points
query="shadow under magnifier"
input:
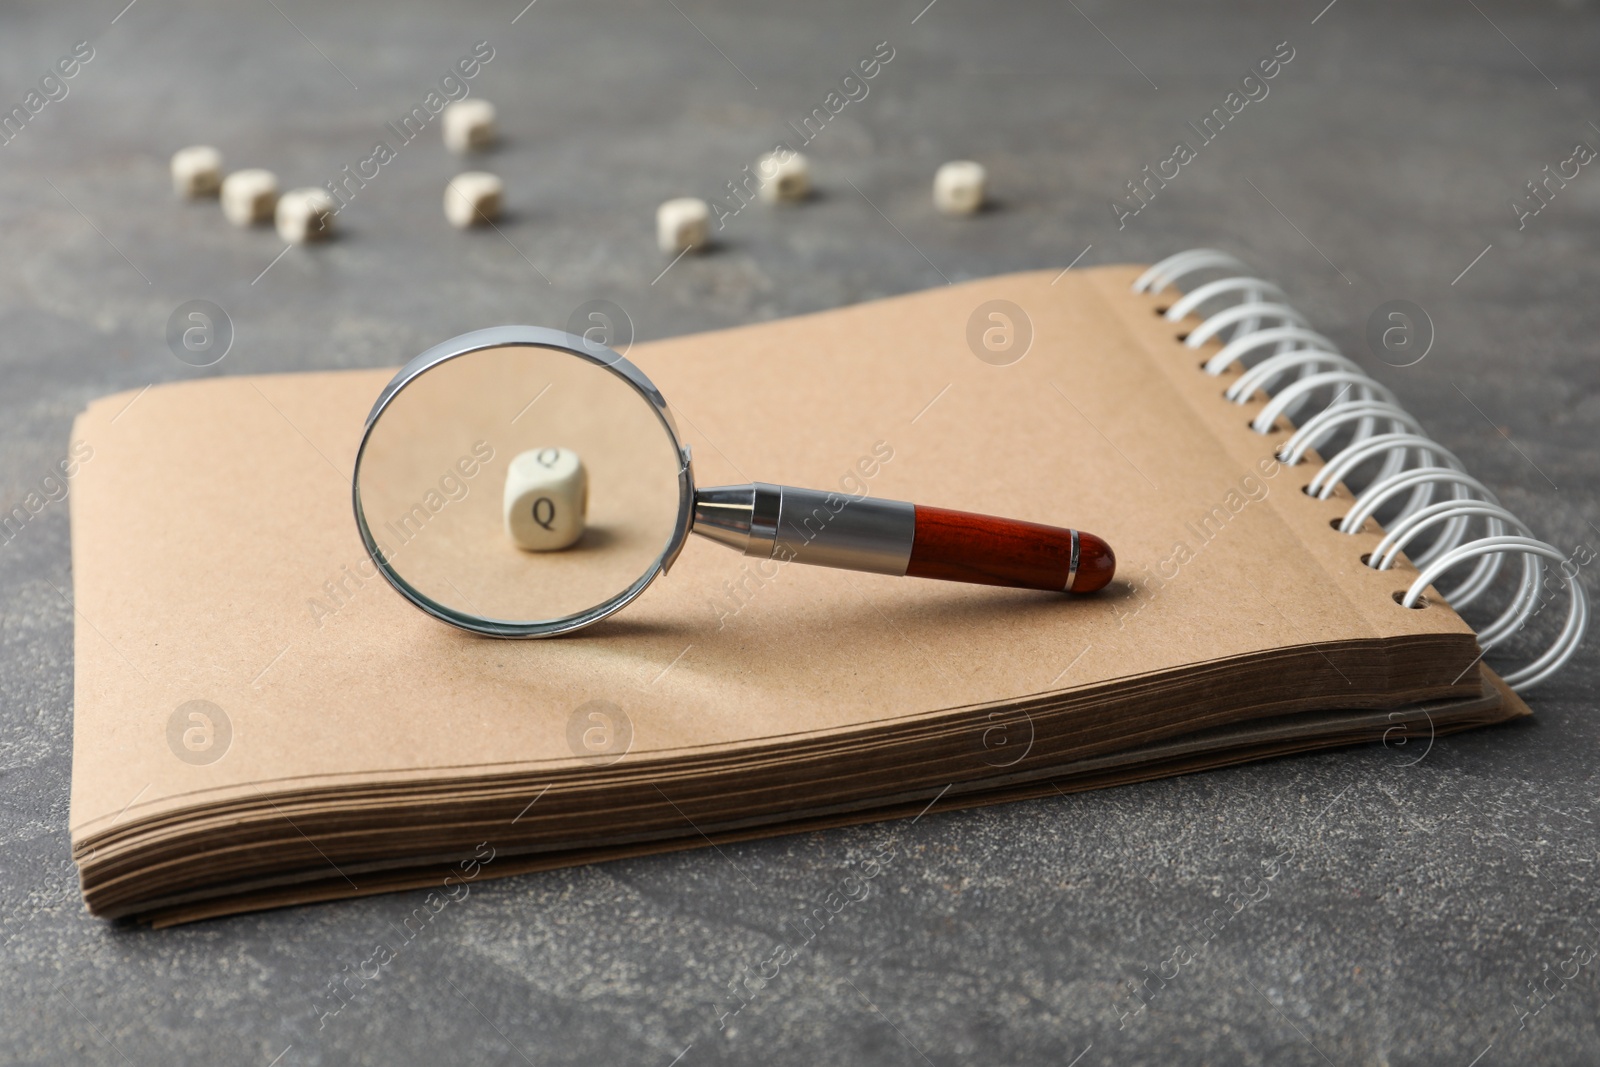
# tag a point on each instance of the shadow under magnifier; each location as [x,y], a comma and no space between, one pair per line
[432,483]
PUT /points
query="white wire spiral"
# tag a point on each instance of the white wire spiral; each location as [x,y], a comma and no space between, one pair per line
[1299,364]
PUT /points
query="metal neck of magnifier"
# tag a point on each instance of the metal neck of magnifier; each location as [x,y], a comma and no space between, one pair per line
[807,526]
[827,529]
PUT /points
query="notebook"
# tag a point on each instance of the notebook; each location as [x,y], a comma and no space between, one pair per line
[260,720]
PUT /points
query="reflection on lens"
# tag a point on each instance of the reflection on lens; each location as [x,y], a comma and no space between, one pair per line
[519,485]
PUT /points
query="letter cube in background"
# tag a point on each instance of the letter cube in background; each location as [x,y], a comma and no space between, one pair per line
[681,224]
[305,215]
[249,196]
[468,125]
[197,171]
[784,179]
[546,499]
[473,199]
[958,187]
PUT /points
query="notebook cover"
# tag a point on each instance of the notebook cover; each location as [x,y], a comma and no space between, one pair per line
[215,558]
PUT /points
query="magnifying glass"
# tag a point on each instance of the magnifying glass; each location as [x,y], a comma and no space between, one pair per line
[525,482]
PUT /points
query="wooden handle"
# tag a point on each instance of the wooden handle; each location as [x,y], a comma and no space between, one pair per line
[959,546]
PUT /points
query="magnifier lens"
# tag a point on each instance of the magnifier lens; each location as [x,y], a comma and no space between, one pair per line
[594,499]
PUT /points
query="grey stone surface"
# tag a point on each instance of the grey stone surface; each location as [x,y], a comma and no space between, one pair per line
[1413,902]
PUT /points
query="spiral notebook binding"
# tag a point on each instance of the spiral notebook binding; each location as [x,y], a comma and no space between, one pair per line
[1300,363]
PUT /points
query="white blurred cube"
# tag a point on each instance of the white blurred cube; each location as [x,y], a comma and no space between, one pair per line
[785,177]
[473,199]
[682,224]
[546,499]
[197,171]
[468,125]
[249,196]
[305,215]
[958,187]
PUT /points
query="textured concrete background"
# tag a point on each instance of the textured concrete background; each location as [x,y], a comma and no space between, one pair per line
[1410,904]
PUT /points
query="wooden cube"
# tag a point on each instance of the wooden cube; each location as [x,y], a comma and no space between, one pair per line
[473,199]
[305,215]
[785,177]
[958,187]
[197,171]
[468,125]
[249,196]
[546,499]
[682,224]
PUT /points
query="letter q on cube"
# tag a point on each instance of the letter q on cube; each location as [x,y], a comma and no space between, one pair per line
[546,499]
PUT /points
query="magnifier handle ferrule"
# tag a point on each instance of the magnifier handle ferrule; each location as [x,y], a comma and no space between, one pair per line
[828,529]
